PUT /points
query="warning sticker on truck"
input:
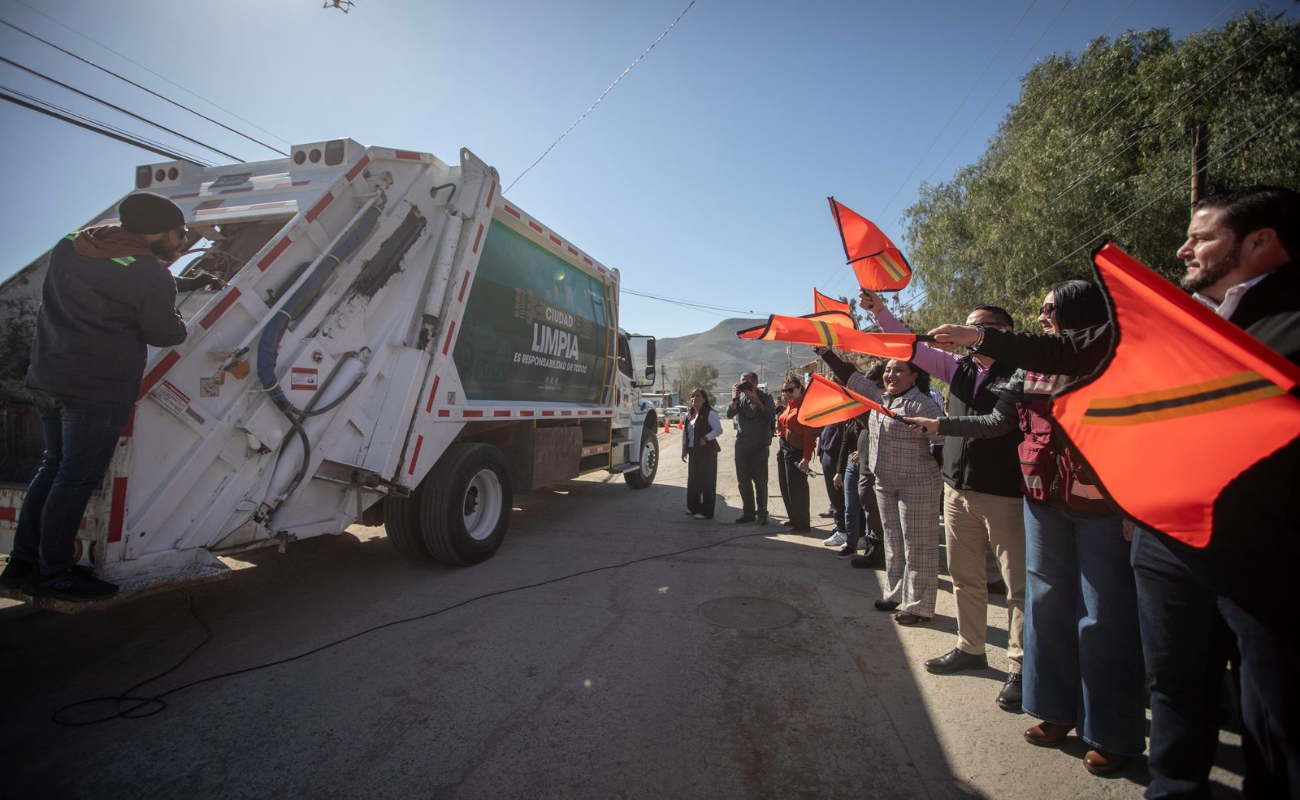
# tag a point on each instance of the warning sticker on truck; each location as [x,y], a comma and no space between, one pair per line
[170,398]
[303,378]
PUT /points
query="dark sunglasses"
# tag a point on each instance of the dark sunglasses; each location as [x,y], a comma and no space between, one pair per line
[1047,309]
[790,389]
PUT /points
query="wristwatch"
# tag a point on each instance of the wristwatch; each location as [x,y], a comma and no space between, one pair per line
[976,346]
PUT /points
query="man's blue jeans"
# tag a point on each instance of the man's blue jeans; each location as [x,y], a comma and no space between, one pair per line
[1083,658]
[79,442]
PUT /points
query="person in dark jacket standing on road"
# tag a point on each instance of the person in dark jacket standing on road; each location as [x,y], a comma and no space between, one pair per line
[107,296]
[981,501]
[828,453]
[757,412]
[700,446]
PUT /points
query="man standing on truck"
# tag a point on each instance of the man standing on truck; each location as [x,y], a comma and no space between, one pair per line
[756,410]
[107,296]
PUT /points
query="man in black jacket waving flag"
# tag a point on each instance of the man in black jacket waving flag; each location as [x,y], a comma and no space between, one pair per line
[1193,427]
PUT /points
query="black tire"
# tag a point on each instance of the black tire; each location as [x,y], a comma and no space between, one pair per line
[465,504]
[402,522]
[648,464]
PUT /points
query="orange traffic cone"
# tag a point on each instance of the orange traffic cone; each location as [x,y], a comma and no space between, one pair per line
[680,424]
[665,425]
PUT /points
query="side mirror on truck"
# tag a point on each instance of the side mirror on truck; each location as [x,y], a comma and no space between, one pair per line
[643,352]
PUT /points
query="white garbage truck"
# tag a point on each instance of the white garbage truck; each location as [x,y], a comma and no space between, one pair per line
[396,342]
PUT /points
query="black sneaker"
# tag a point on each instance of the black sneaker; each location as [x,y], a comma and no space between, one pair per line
[73,584]
[744,519]
[762,519]
[17,572]
[886,605]
[847,551]
[1009,698]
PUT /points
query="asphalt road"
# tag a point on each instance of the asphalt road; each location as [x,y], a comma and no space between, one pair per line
[706,667]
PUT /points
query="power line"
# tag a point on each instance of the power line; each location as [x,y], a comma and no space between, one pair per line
[143,88]
[608,89]
[151,72]
[712,309]
[107,126]
[118,108]
[102,131]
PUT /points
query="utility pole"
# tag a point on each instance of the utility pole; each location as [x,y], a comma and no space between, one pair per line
[1200,142]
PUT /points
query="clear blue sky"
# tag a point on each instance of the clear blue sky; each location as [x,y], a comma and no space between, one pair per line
[703,175]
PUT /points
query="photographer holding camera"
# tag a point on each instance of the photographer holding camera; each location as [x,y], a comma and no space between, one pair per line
[756,411]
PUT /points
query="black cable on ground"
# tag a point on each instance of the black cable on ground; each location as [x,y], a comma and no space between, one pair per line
[156,701]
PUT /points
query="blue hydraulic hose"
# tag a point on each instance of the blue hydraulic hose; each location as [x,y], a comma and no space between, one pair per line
[269,345]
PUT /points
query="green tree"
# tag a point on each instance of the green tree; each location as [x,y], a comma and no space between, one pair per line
[1099,145]
[692,374]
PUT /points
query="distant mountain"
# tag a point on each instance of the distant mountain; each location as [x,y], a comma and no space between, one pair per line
[720,347]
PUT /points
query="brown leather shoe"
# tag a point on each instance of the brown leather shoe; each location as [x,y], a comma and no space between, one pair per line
[1100,762]
[1048,734]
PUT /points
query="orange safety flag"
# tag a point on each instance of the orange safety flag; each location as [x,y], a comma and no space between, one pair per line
[879,265]
[817,330]
[826,403]
[1186,403]
[823,303]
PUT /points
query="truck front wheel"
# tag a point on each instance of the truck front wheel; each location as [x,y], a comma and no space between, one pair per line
[465,504]
[644,474]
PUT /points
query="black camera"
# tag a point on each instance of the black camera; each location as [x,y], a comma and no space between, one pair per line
[745,386]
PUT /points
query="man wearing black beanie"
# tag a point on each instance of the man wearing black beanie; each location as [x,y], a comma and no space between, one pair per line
[107,296]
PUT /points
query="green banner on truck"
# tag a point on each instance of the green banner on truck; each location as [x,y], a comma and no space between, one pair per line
[534,326]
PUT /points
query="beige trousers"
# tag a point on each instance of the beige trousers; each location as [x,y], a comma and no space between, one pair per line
[973,520]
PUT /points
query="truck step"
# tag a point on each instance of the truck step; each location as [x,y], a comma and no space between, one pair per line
[128,590]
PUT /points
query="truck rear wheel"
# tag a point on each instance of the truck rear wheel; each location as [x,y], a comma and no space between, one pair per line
[465,504]
[644,474]
[402,523]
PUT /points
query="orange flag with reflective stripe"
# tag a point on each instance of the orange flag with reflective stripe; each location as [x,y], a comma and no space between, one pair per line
[823,303]
[878,264]
[1186,403]
[818,331]
[826,403]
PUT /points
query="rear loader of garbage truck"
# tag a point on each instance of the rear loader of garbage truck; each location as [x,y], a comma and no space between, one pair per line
[397,342]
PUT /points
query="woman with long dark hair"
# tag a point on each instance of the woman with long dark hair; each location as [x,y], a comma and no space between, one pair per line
[1083,664]
[700,444]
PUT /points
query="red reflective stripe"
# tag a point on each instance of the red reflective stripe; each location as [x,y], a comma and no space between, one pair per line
[468,413]
[548,413]
[464,283]
[492,190]
[130,426]
[443,412]
[236,190]
[588,261]
[535,226]
[477,238]
[419,440]
[450,332]
[432,394]
[8,514]
[320,206]
[117,512]
[526,413]
[556,239]
[270,257]
[500,413]
[360,165]
[566,413]
[210,318]
[407,154]
[157,372]
[514,212]
[572,251]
